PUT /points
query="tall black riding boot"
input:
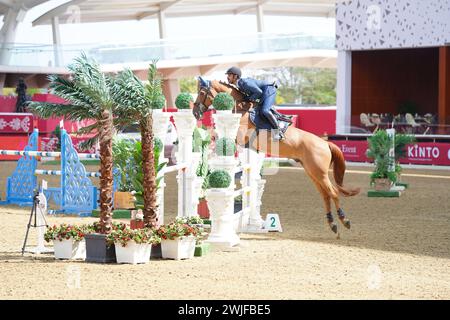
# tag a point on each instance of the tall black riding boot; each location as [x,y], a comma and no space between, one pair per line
[273,121]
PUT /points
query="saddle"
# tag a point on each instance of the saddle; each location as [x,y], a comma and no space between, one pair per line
[261,123]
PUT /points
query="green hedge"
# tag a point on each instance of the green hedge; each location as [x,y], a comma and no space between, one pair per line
[183,99]
[219,179]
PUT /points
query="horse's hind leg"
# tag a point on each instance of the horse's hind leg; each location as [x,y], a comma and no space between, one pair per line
[327,201]
[341,214]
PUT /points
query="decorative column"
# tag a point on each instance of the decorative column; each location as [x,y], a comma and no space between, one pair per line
[221,201]
[185,123]
[252,162]
[227,126]
[221,206]
[160,124]
[226,123]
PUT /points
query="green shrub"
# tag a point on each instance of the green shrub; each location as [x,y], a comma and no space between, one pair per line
[159,102]
[219,179]
[183,99]
[379,145]
[225,147]
[223,101]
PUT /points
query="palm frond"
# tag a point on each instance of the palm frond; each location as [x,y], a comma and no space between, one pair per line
[89,129]
[92,81]
[68,90]
[70,112]
[128,92]
[154,85]
[89,143]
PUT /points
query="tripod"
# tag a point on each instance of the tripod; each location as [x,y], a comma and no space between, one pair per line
[35,210]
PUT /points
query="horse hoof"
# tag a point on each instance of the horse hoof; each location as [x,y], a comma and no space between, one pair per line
[333,227]
[347,224]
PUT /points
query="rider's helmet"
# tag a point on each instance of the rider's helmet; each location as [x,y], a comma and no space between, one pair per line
[234,70]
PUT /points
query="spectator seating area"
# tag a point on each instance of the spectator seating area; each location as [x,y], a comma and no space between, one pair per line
[405,123]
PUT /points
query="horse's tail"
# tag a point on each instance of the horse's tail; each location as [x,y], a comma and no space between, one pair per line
[337,158]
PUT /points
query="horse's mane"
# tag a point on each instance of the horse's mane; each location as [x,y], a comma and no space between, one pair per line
[231,86]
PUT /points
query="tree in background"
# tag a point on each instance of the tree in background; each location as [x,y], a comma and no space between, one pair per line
[188,85]
[304,85]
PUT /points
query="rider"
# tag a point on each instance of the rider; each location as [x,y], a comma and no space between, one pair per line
[259,92]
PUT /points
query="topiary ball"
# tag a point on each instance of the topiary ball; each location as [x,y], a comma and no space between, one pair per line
[223,101]
[225,147]
[219,179]
[183,100]
[159,102]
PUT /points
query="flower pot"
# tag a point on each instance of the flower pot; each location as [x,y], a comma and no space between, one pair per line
[123,200]
[97,249]
[203,210]
[156,251]
[179,248]
[69,249]
[223,220]
[133,253]
[227,123]
[383,184]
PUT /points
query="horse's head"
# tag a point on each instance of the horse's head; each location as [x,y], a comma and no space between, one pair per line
[204,99]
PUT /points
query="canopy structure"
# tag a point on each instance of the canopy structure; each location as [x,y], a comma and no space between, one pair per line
[115,10]
[88,11]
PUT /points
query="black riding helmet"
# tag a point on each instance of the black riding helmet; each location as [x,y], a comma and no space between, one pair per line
[234,70]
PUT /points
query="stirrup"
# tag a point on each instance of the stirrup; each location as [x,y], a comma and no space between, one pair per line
[277,135]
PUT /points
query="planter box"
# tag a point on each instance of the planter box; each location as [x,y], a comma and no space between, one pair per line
[156,251]
[70,249]
[181,248]
[203,210]
[133,253]
[123,200]
[96,249]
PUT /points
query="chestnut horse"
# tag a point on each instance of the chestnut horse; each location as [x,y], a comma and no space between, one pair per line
[313,153]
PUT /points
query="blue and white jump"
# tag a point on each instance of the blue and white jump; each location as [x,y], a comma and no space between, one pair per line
[76,194]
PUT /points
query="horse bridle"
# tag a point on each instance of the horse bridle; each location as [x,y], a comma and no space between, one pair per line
[207,93]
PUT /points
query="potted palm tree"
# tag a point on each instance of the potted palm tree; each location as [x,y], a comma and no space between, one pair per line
[88,93]
[135,101]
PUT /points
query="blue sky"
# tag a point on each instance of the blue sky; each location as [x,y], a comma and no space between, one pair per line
[147,30]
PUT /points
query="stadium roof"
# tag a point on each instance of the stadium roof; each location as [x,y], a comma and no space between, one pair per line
[116,10]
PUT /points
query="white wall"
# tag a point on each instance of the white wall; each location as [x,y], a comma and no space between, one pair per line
[383,24]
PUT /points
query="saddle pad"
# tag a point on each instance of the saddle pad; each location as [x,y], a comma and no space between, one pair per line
[261,123]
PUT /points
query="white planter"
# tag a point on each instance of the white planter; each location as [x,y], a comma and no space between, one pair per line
[160,123]
[227,124]
[185,123]
[228,164]
[69,249]
[133,253]
[223,220]
[180,248]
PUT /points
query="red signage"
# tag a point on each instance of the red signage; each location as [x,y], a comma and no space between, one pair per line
[426,153]
[16,122]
